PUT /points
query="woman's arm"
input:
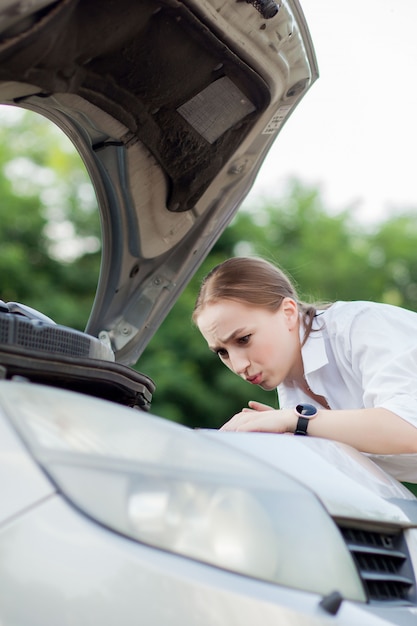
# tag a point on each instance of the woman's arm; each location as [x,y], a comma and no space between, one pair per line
[375,430]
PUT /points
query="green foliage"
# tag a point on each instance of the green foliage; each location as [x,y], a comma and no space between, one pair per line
[48,220]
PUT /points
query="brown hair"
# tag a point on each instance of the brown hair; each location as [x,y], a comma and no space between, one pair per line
[253,281]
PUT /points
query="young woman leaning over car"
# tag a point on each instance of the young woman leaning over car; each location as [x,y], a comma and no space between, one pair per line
[346,371]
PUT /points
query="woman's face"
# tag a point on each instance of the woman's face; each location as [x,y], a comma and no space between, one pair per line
[259,345]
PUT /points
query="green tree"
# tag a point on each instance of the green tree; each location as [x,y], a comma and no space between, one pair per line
[393,261]
[49,226]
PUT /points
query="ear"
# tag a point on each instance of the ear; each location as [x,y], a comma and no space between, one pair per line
[289,308]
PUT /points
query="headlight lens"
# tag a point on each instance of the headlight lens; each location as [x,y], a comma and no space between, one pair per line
[175,489]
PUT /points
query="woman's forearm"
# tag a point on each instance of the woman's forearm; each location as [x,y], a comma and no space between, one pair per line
[376,430]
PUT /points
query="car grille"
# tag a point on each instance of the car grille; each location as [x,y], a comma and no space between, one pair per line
[384,565]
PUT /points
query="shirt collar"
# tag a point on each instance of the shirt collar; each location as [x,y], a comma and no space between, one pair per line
[313,352]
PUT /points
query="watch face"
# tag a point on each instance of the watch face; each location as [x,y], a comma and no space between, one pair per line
[306,410]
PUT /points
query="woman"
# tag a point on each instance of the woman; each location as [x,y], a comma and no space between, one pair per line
[345,371]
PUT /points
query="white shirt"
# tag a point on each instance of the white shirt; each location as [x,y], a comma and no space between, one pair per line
[361,355]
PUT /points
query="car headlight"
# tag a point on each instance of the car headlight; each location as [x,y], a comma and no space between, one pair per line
[170,487]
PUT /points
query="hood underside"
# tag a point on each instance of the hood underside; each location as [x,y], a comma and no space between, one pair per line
[173,107]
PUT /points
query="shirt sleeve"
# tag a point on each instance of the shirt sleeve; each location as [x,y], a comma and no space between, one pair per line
[382,342]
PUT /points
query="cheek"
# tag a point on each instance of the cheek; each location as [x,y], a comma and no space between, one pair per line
[276,348]
[267,350]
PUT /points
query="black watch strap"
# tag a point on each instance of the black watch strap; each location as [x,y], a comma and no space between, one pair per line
[302,425]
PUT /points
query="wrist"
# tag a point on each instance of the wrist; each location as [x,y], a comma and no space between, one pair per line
[292,420]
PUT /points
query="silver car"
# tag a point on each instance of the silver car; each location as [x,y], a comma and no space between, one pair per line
[109,514]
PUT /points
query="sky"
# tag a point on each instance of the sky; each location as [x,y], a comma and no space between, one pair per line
[354,134]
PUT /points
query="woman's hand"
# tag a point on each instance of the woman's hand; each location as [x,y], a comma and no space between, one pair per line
[260,417]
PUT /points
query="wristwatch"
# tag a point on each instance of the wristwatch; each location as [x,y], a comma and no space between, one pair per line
[305,413]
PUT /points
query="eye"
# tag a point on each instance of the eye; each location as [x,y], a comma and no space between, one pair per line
[222,353]
[244,339]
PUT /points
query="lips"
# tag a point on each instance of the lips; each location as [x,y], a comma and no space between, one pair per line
[254,380]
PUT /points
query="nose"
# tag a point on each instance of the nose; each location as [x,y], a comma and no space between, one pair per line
[239,362]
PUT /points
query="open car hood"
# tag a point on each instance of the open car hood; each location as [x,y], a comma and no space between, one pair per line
[173,107]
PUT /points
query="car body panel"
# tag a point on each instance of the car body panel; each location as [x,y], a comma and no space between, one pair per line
[348,484]
[22,483]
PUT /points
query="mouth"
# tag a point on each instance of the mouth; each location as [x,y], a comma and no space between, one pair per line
[254,380]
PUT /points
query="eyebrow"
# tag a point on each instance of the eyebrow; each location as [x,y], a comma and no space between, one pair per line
[236,332]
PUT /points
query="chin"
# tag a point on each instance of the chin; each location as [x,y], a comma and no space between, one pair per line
[267,387]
